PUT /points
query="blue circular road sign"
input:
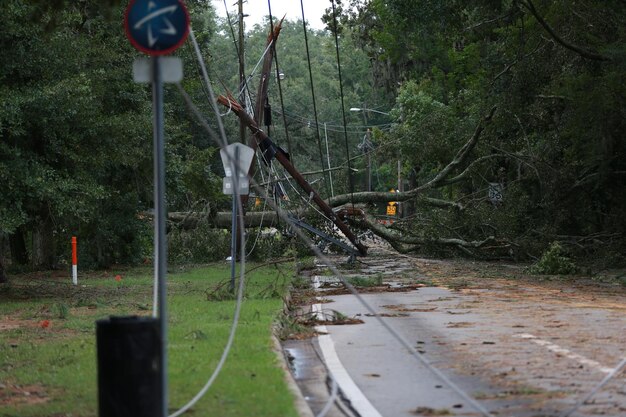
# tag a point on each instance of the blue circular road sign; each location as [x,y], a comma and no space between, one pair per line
[156,27]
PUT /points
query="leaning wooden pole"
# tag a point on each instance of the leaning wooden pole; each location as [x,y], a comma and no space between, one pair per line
[263,140]
[266,71]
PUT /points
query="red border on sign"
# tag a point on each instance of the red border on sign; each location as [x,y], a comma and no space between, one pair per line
[150,51]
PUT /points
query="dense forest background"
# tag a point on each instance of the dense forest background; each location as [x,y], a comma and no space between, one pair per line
[549,166]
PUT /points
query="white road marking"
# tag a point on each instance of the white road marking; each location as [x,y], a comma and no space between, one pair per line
[565,352]
[357,399]
[316,309]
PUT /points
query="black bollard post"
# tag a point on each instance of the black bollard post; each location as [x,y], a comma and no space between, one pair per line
[129,367]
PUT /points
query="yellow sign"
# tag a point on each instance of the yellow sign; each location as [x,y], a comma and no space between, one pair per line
[392,206]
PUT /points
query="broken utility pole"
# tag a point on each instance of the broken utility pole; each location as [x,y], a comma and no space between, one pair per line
[265,142]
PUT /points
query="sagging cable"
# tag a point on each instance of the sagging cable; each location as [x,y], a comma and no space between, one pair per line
[333,397]
[221,140]
[605,381]
[391,330]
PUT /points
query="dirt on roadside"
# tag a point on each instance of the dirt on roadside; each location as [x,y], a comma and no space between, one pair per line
[546,339]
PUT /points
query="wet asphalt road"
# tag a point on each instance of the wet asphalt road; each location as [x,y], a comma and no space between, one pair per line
[518,349]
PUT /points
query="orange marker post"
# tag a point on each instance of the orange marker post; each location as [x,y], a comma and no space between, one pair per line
[74,262]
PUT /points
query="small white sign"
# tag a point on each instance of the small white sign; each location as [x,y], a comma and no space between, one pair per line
[171,70]
[228,188]
[237,154]
[495,192]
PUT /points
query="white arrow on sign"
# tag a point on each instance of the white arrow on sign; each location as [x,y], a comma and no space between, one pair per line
[169,30]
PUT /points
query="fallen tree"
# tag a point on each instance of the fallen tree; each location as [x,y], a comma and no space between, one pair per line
[439,180]
[401,238]
[404,243]
[222,220]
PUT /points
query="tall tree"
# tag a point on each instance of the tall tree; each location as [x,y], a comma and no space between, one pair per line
[555,70]
[72,131]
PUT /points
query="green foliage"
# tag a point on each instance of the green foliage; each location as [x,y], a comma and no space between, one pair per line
[267,244]
[554,262]
[555,144]
[53,355]
[70,142]
[374,281]
[61,310]
[201,244]
[428,125]
[75,135]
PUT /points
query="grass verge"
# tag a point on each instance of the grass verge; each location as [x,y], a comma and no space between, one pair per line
[48,348]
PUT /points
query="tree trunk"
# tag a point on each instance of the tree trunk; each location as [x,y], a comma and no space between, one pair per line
[402,240]
[17,243]
[223,219]
[3,277]
[410,204]
[43,244]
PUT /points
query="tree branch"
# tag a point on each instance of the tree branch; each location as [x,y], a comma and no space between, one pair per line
[368,197]
[486,22]
[512,64]
[461,155]
[438,181]
[469,168]
[405,244]
[222,220]
[585,53]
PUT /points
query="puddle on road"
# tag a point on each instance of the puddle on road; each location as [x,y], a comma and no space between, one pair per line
[578,317]
[295,361]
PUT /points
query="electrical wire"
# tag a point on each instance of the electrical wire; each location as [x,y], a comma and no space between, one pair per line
[317,126]
[280,85]
[221,140]
[222,137]
[390,329]
[204,88]
[334,392]
[258,234]
[237,49]
[343,107]
[286,178]
[354,129]
[295,116]
[605,381]
[269,182]
[306,200]
[257,66]
[234,326]
[333,397]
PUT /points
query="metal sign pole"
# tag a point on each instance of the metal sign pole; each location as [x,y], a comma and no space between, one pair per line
[160,243]
[156,28]
[236,159]
[234,237]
